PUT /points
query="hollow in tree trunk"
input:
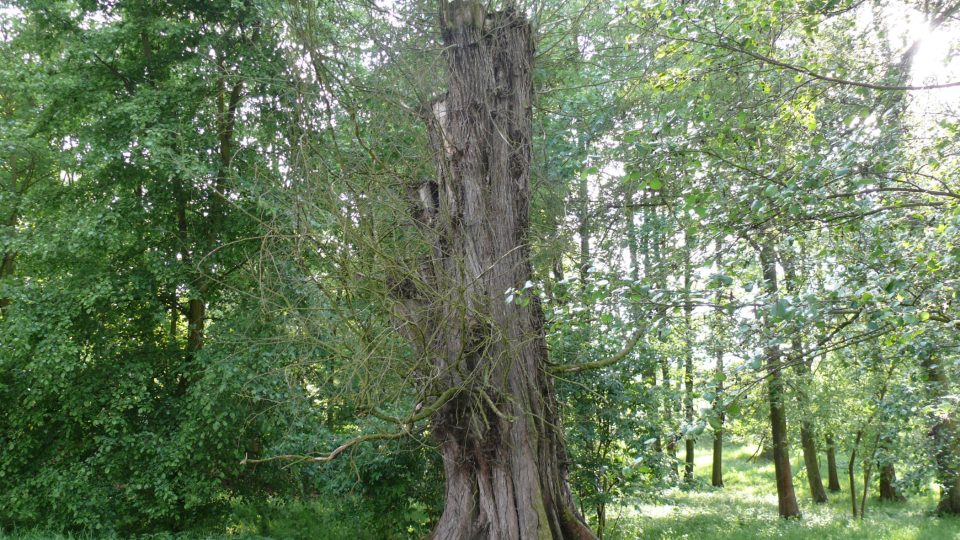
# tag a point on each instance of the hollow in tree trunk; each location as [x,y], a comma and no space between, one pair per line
[502,447]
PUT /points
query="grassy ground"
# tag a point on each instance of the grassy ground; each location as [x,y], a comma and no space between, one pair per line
[745,509]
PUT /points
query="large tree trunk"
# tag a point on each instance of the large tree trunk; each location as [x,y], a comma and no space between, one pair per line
[833,477]
[786,497]
[499,437]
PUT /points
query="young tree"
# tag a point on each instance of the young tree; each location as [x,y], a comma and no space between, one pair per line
[786,497]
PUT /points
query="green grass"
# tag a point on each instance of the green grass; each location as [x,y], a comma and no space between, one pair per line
[746,508]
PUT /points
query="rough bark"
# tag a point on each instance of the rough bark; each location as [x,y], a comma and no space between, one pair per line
[786,497]
[833,482]
[503,453]
[18,189]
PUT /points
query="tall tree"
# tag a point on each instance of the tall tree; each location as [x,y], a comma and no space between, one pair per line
[786,497]
[496,418]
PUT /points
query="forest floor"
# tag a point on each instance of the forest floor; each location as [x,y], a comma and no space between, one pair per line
[745,509]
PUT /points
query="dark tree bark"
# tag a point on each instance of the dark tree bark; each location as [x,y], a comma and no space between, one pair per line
[786,497]
[802,367]
[583,226]
[499,435]
[888,484]
[716,473]
[833,477]
[6,269]
[809,445]
[716,476]
[851,465]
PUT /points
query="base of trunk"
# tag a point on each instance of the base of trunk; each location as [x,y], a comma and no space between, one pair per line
[888,486]
[504,494]
[950,499]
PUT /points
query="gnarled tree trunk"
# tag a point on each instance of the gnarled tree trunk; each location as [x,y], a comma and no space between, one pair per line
[500,439]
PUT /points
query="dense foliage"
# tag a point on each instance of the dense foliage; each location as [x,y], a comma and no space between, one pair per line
[740,211]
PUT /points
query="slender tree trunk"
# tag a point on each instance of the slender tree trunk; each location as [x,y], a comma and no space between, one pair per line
[808,439]
[639,247]
[716,476]
[786,497]
[196,319]
[583,227]
[689,441]
[503,453]
[669,400]
[808,442]
[850,476]
[802,367]
[833,482]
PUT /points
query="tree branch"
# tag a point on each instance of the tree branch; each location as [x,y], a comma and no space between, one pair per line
[576,368]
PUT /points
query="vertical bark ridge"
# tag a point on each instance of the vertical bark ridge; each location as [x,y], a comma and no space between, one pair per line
[500,439]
